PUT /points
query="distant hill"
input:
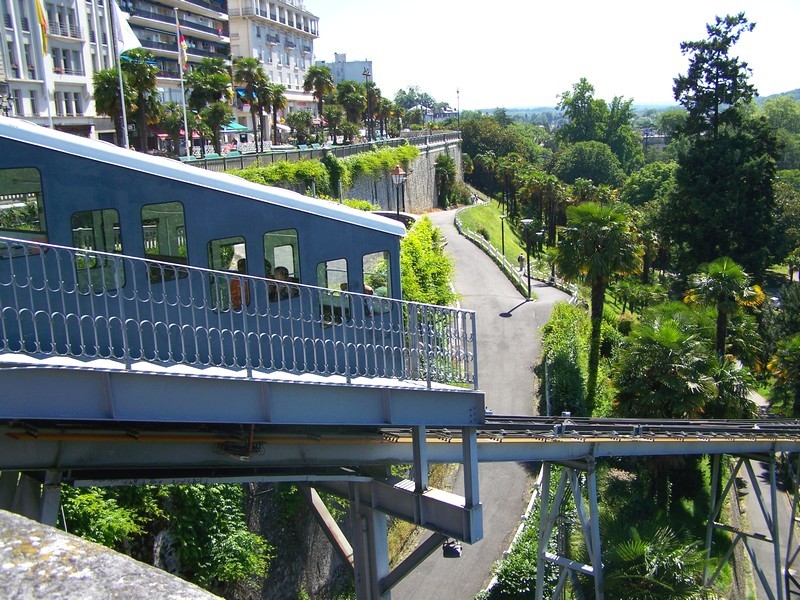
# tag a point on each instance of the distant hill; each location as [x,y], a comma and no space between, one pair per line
[795,94]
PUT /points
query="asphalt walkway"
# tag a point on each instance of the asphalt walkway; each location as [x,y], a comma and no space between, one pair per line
[508,347]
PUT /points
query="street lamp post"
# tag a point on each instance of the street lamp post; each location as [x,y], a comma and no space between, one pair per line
[367,75]
[503,235]
[526,223]
[458,109]
[398,178]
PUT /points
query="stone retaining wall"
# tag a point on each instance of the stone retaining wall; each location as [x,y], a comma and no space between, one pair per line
[420,186]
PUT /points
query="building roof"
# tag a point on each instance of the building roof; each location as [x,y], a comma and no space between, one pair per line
[30,133]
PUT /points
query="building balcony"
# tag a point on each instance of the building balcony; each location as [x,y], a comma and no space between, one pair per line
[62,30]
[155,20]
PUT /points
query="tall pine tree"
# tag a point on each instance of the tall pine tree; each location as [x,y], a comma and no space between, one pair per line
[723,202]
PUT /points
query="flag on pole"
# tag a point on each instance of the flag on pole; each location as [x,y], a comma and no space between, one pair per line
[125,38]
[41,16]
[183,57]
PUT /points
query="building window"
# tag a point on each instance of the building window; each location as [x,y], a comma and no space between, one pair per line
[34,103]
[98,230]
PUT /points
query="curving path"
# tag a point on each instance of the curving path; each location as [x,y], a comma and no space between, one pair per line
[508,346]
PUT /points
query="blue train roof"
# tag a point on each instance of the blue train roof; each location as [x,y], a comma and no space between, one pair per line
[30,133]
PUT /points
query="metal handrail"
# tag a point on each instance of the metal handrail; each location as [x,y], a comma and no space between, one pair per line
[79,302]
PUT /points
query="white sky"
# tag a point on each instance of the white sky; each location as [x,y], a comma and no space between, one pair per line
[524,53]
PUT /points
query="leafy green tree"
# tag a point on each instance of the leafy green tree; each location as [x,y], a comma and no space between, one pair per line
[785,367]
[724,285]
[319,81]
[716,84]
[597,243]
[107,97]
[588,160]
[427,271]
[651,182]
[411,97]
[249,73]
[723,202]
[446,174]
[301,122]
[586,116]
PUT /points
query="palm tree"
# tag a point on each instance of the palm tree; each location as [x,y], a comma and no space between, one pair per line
[277,101]
[172,124]
[216,115]
[724,285]
[664,368]
[263,93]
[107,96]
[334,115]
[597,242]
[209,82]
[301,122]
[140,66]
[383,112]
[648,561]
[320,81]
[351,97]
[250,73]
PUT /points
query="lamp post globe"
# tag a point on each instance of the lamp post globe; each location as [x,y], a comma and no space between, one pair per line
[398,178]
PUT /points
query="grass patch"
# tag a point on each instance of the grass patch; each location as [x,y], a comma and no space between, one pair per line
[485,218]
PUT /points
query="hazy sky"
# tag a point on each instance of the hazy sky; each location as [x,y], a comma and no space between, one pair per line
[524,53]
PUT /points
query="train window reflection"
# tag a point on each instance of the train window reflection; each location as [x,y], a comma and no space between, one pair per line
[229,254]
[21,206]
[281,250]
[334,305]
[164,231]
[97,230]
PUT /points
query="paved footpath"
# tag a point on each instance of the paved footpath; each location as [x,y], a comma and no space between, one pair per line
[508,346]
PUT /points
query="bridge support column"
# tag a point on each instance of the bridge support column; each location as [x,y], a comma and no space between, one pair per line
[370,549]
[588,518]
[26,496]
[726,478]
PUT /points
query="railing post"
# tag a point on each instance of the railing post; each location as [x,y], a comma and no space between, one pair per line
[474,351]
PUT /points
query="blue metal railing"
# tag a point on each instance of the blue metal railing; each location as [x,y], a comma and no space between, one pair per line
[56,300]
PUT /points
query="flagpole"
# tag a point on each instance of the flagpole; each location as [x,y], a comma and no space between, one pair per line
[41,16]
[114,27]
[181,56]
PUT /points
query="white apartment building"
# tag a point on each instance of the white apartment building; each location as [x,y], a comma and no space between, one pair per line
[55,85]
[343,70]
[204,24]
[281,34]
